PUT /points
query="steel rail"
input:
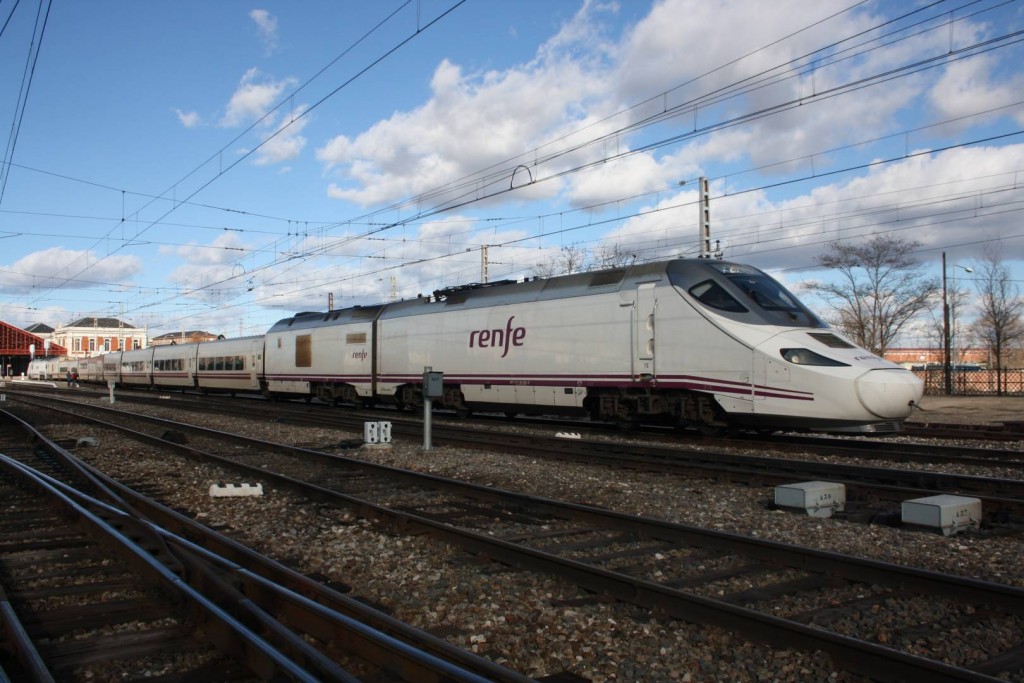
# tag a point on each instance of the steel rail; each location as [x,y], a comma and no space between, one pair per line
[256,594]
[366,630]
[856,655]
[230,635]
[21,645]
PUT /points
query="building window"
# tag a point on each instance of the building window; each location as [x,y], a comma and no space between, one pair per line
[78,343]
[106,345]
[136,344]
[92,345]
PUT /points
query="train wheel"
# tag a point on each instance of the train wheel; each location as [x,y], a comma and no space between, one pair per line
[711,430]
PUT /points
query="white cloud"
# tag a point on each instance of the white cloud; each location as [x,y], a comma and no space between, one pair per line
[56,267]
[254,97]
[964,196]
[286,143]
[472,121]
[967,87]
[225,249]
[582,86]
[189,119]
[266,24]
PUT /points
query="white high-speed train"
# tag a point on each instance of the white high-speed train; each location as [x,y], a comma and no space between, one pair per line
[703,343]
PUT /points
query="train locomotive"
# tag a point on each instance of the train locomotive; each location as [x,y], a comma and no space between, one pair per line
[701,343]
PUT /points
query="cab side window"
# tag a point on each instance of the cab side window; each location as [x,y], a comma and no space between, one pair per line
[711,294]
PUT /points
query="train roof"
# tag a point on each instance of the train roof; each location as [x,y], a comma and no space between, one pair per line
[501,293]
[535,289]
[311,319]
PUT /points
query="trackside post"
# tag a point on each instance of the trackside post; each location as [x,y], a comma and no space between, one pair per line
[433,387]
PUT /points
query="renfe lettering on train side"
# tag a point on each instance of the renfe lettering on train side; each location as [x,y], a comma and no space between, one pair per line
[499,338]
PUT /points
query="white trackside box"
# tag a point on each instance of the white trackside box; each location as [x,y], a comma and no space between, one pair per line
[818,498]
[377,434]
[371,432]
[948,513]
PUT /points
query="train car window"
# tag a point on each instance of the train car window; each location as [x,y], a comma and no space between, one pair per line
[355,338]
[710,293]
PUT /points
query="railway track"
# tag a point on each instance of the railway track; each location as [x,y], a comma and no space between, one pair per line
[702,576]
[859,447]
[870,489]
[1006,431]
[180,600]
[873,493]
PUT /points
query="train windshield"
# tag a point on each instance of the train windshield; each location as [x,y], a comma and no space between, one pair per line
[774,299]
[753,291]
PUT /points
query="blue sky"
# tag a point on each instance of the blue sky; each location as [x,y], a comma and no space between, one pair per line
[222,165]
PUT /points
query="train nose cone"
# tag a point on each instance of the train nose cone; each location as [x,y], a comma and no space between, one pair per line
[888,393]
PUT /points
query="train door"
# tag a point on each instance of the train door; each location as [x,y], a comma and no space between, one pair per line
[643,332]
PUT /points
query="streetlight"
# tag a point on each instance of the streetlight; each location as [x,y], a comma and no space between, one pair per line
[947,375]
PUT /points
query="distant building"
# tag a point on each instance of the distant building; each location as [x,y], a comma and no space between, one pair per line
[41,330]
[924,357]
[183,337]
[92,336]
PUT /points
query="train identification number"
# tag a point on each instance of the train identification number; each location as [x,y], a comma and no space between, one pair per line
[498,338]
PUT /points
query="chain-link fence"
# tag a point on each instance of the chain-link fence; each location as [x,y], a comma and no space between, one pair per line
[974,382]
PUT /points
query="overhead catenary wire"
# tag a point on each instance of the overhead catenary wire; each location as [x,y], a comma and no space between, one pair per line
[291,259]
[31,59]
[294,119]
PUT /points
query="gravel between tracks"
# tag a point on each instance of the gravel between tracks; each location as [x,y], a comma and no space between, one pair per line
[529,622]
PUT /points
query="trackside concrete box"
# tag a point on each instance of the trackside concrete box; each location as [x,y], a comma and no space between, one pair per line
[818,498]
[948,513]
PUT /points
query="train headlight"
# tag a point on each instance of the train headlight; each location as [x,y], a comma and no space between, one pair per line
[808,357]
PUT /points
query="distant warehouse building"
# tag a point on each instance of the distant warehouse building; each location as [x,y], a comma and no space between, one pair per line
[91,336]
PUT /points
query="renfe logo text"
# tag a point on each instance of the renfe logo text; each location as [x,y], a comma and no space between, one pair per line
[499,338]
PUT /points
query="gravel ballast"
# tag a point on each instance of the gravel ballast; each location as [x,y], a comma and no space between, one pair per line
[530,622]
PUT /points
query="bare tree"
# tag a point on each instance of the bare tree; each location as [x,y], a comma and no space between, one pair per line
[1001,320]
[960,333]
[614,256]
[570,259]
[879,289]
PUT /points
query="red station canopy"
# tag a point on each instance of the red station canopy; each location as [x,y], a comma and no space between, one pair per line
[15,342]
